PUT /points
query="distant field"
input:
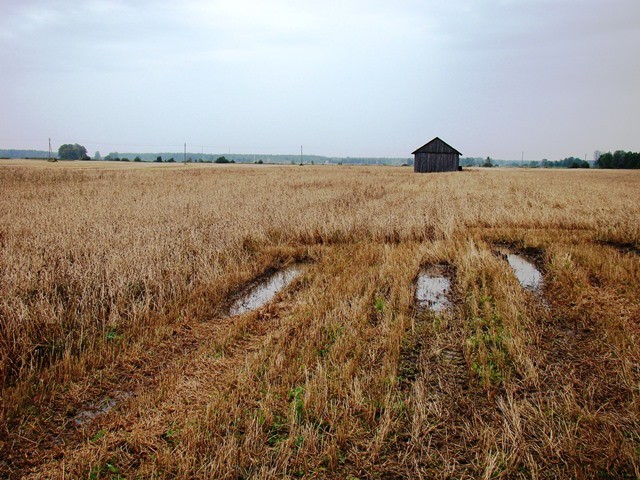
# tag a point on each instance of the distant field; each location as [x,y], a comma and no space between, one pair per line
[119,358]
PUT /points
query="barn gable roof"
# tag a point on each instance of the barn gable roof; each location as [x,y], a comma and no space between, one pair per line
[436,146]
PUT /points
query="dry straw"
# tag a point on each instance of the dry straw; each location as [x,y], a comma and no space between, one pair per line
[114,284]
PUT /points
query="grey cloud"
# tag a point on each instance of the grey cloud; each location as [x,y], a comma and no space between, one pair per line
[353,77]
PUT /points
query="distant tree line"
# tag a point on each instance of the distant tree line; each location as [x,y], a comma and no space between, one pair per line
[212,158]
[619,159]
[223,159]
[471,161]
[569,162]
[13,153]
[486,162]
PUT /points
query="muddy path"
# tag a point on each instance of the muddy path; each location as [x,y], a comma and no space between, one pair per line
[527,264]
[70,417]
[261,292]
[578,322]
[433,299]
[79,412]
[270,392]
[584,385]
[433,288]
[622,247]
[442,398]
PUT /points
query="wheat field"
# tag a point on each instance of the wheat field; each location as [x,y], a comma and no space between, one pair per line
[119,359]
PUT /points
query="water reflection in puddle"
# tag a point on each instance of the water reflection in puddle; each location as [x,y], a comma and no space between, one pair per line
[431,290]
[265,291]
[100,408]
[528,275]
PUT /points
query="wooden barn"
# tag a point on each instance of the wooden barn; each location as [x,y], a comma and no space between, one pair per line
[436,156]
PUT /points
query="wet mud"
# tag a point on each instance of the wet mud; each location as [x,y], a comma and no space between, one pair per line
[265,291]
[432,289]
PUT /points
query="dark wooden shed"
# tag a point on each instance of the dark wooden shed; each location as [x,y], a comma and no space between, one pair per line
[436,156]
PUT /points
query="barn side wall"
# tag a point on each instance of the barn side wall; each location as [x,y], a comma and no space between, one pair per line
[436,162]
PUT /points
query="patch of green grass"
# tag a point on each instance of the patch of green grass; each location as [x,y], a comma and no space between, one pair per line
[296,395]
[278,431]
[331,333]
[112,335]
[378,305]
[171,435]
[108,470]
[487,344]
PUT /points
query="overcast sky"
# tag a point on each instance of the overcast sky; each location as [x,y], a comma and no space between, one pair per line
[552,78]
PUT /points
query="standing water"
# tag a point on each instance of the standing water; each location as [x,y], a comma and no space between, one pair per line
[102,407]
[431,290]
[528,275]
[265,291]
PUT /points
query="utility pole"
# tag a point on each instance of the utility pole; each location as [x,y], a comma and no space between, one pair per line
[522,159]
[300,154]
[185,153]
[51,159]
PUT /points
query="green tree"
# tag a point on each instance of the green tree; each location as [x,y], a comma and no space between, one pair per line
[72,152]
[158,159]
[487,163]
[605,160]
[221,160]
[137,159]
[619,159]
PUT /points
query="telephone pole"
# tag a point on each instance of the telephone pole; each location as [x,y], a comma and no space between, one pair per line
[301,154]
[185,153]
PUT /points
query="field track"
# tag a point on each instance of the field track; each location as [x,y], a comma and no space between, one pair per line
[120,360]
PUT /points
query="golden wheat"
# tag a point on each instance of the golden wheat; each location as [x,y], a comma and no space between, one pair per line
[116,279]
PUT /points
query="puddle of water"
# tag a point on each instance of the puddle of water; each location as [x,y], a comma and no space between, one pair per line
[526,272]
[101,408]
[431,291]
[265,291]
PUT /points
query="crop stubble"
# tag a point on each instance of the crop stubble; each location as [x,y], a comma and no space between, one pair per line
[115,284]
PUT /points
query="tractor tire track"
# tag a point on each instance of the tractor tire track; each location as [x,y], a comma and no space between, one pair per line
[125,386]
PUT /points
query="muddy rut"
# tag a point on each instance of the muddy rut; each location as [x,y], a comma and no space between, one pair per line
[201,352]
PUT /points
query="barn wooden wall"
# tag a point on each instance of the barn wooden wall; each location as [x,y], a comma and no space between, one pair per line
[436,162]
